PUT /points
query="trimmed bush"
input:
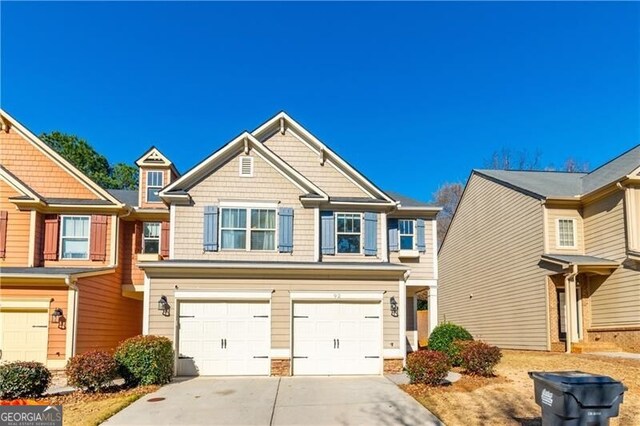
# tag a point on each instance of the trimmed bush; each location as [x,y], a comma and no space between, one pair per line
[479,358]
[145,360]
[23,379]
[91,370]
[442,339]
[428,367]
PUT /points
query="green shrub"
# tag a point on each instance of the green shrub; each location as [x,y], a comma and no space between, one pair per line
[480,359]
[23,379]
[145,360]
[428,367]
[442,339]
[91,370]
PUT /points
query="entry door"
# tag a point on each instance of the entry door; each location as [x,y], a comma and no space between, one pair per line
[24,335]
[562,313]
[337,338]
[224,338]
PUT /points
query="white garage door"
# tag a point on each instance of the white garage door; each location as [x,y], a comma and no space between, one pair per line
[337,338]
[224,338]
[24,335]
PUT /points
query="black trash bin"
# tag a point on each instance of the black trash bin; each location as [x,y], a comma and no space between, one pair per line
[577,398]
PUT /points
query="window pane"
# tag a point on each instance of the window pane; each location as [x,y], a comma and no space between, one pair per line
[155,179]
[234,239]
[263,219]
[263,240]
[406,242]
[75,226]
[341,224]
[152,230]
[565,233]
[405,226]
[75,248]
[152,246]
[356,224]
[348,243]
[234,218]
[152,194]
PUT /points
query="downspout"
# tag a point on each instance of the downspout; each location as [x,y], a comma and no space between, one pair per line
[570,304]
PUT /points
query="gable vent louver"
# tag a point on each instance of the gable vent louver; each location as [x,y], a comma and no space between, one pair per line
[246,166]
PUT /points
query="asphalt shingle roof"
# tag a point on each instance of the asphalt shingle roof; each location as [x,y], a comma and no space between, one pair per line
[127,196]
[408,201]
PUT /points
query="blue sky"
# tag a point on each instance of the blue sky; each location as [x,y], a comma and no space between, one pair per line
[412,94]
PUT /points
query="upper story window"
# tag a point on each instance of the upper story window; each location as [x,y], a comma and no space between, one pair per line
[237,233]
[151,238]
[74,238]
[155,182]
[349,232]
[566,233]
[406,230]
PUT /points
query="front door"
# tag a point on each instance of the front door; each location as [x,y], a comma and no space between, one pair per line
[562,314]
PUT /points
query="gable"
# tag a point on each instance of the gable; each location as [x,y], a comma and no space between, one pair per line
[308,162]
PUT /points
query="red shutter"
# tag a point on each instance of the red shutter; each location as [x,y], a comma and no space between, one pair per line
[3,233]
[138,237]
[98,249]
[164,240]
[51,231]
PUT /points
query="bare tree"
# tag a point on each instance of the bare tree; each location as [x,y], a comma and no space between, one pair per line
[505,159]
[447,196]
[572,165]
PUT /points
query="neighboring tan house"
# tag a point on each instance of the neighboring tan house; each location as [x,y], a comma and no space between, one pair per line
[286,260]
[547,260]
[68,251]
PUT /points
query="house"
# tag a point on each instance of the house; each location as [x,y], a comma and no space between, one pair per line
[547,260]
[284,259]
[69,248]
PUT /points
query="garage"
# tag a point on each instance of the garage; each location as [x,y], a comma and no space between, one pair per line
[224,338]
[337,338]
[24,335]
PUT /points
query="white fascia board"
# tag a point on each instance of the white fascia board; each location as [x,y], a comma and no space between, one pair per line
[337,295]
[277,353]
[275,265]
[39,303]
[223,295]
[392,353]
[421,283]
[18,186]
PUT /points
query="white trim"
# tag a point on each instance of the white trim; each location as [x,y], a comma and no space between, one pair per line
[433,307]
[248,204]
[575,234]
[414,246]
[434,242]
[580,322]
[18,186]
[140,187]
[146,298]
[384,250]
[172,231]
[56,364]
[61,236]
[402,313]
[545,230]
[26,303]
[277,353]
[32,238]
[421,283]
[223,295]
[415,344]
[144,222]
[316,234]
[392,353]
[147,186]
[114,240]
[71,323]
[140,162]
[337,295]
[360,234]
[364,266]
[248,229]
[241,158]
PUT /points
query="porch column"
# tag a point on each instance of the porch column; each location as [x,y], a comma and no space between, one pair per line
[571,308]
[433,307]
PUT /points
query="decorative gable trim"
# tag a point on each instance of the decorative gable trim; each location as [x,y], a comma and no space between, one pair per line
[242,144]
[18,185]
[9,121]
[282,122]
[154,158]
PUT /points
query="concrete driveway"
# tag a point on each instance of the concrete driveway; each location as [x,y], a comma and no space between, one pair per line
[277,401]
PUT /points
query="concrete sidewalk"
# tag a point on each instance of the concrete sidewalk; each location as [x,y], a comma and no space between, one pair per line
[277,401]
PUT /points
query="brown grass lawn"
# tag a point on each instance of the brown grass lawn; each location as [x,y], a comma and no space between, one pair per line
[508,398]
[83,409]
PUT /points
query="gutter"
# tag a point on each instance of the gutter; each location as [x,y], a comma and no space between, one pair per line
[249,265]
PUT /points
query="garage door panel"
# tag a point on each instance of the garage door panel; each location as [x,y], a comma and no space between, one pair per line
[24,335]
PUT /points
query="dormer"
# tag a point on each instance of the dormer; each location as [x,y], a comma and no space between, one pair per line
[155,172]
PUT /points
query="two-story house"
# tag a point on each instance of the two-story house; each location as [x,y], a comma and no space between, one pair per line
[69,249]
[284,259]
[547,260]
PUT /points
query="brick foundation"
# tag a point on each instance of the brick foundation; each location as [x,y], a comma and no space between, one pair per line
[280,367]
[626,339]
[392,366]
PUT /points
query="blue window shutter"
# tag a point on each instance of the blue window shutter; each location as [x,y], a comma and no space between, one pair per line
[327,235]
[393,235]
[420,235]
[370,234]
[210,231]
[285,231]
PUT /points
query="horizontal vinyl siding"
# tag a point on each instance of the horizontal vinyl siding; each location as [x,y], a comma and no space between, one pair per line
[280,302]
[18,222]
[615,299]
[421,267]
[553,214]
[492,252]
[225,184]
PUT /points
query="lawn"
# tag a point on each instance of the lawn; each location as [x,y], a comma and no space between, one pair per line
[508,398]
[85,409]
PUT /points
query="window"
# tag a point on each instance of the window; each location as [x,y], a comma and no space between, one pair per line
[263,229]
[566,233]
[155,182]
[74,238]
[348,232]
[237,234]
[246,166]
[151,238]
[406,229]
